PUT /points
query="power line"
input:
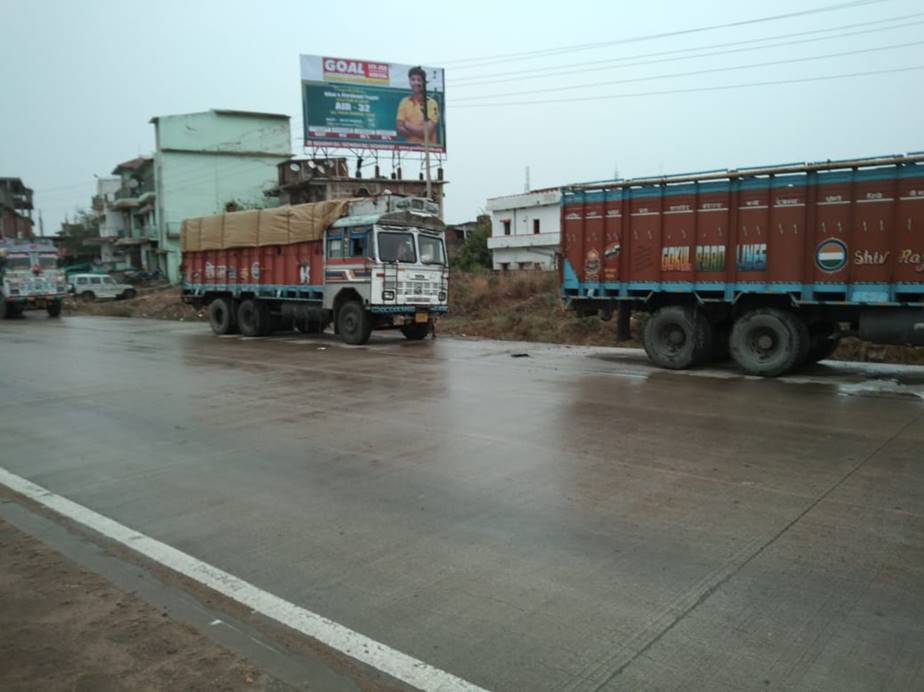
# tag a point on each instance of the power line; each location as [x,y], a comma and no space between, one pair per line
[695,89]
[712,70]
[523,55]
[611,63]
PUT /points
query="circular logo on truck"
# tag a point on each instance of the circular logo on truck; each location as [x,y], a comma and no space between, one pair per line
[831,255]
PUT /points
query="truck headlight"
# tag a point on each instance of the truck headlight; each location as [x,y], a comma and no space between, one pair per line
[388,295]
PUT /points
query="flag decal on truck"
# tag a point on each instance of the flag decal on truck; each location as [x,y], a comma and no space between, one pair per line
[831,255]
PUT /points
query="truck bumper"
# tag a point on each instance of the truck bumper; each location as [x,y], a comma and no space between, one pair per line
[407,309]
[33,302]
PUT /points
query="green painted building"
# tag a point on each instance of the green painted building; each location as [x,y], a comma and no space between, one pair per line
[204,162]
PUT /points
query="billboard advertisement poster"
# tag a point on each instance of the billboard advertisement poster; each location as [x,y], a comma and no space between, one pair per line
[360,103]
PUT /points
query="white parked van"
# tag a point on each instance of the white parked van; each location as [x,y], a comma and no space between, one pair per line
[90,287]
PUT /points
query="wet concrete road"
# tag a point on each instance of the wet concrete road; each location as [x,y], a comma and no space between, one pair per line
[571,520]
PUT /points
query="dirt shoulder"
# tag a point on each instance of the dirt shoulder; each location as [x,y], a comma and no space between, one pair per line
[63,628]
[518,306]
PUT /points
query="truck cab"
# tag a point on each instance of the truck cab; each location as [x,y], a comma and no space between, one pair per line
[393,263]
[30,278]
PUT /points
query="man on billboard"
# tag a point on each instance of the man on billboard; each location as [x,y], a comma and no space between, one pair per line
[410,120]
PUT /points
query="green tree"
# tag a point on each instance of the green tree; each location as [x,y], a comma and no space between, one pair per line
[73,234]
[475,253]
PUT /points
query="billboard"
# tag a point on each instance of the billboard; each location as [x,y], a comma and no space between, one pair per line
[360,103]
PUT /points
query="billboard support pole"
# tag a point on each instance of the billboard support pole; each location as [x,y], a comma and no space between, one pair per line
[426,134]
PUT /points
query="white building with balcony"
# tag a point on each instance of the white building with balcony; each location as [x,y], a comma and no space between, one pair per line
[525,230]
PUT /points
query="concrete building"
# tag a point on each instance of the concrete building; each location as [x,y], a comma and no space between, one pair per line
[316,180]
[15,209]
[126,210]
[525,230]
[204,162]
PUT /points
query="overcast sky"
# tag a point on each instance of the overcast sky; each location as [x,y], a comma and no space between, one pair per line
[80,80]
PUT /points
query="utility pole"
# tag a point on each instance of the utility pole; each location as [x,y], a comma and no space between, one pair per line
[426,129]
[526,185]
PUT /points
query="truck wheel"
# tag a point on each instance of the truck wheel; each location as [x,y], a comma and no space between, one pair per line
[129,294]
[824,338]
[677,337]
[768,342]
[88,296]
[353,324]
[222,318]
[54,309]
[253,318]
[11,311]
[416,331]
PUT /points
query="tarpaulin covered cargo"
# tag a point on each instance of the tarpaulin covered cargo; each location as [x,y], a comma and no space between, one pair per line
[261,227]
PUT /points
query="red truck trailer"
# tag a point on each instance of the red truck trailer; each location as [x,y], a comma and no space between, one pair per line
[361,264]
[773,264]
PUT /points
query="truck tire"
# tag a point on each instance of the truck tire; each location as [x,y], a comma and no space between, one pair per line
[415,331]
[11,311]
[769,342]
[222,316]
[128,294]
[677,337]
[54,309]
[88,296]
[824,338]
[253,318]
[353,324]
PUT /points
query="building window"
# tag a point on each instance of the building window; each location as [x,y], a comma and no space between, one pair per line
[504,266]
[535,226]
[506,223]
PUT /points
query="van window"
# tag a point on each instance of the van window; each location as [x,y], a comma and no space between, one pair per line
[96,280]
[81,281]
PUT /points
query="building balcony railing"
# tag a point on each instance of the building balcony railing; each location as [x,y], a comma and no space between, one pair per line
[523,240]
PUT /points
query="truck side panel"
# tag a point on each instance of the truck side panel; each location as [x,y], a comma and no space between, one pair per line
[854,236]
[293,271]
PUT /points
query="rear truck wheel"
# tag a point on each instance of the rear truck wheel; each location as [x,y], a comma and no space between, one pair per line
[253,318]
[11,311]
[824,338]
[353,324]
[677,337]
[416,331]
[129,294]
[54,309]
[768,342]
[88,296]
[222,317]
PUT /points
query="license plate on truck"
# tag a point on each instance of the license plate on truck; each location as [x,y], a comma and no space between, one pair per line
[421,317]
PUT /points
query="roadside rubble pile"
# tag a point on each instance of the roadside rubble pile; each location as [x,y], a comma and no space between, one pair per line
[154,303]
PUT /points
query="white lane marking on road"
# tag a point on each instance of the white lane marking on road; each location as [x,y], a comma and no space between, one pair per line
[401,666]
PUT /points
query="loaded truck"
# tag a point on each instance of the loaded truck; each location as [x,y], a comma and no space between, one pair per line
[30,278]
[770,264]
[356,264]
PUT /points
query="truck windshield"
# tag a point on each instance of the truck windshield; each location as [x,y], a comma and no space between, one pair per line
[396,247]
[18,262]
[431,250]
[48,261]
